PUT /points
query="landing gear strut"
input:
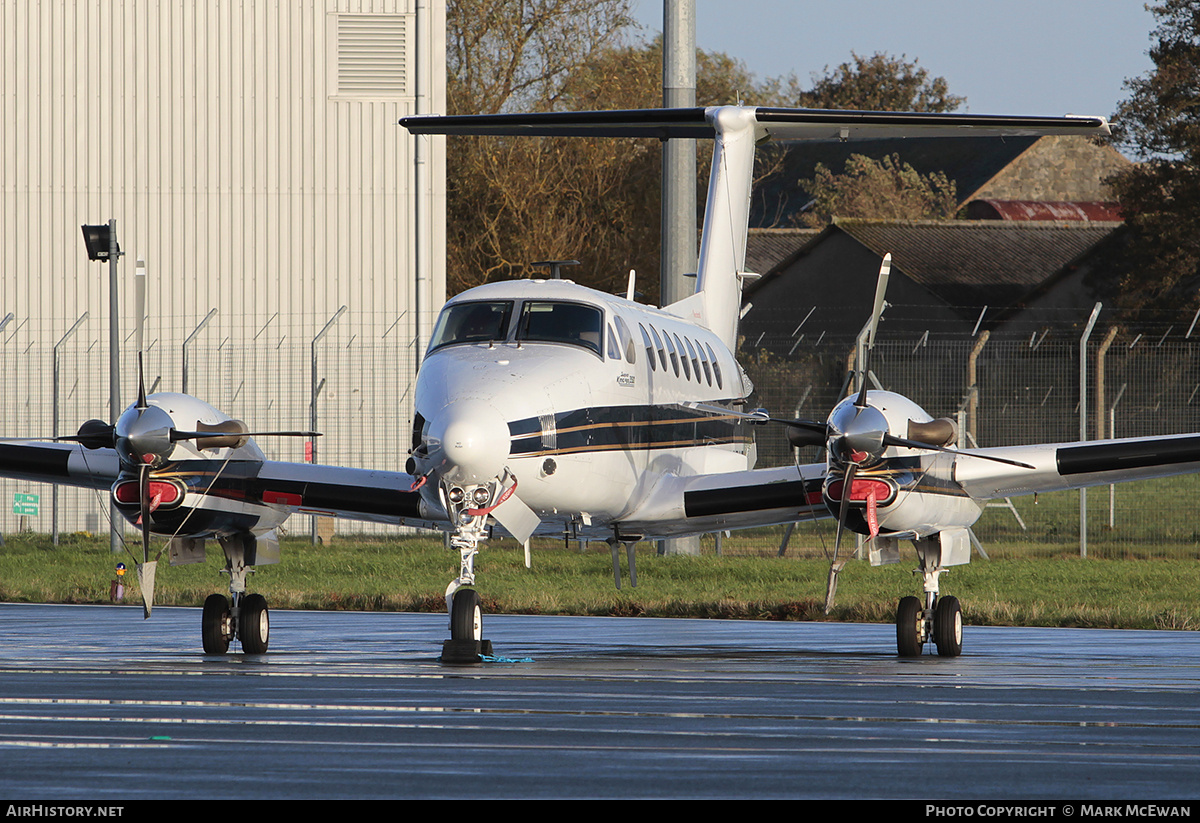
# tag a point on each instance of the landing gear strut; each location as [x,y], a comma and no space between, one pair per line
[242,616]
[469,507]
[939,619]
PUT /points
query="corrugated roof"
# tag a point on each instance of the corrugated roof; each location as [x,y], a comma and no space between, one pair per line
[993,209]
[766,248]
[978,262]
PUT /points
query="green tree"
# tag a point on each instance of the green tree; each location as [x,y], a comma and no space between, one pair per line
[1159,265]
[512,201]
[885,189]
[880,82]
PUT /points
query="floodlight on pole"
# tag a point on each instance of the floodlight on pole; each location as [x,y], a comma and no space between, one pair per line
[101,243]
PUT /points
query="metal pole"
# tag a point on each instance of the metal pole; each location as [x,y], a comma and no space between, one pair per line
[1112,433]
[54,426]
[1101,356]
[973,385]
[678,181]
[115,519]
[1083,341]
[183,388]
[312,409]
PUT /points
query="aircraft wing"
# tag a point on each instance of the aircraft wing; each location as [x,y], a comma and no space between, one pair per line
[707,503]
[778,123]
[67,464]
[1059,466]
[352,494]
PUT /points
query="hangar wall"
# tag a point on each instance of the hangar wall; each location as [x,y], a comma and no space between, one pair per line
[250,154]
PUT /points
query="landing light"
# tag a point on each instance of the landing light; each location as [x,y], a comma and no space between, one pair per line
[480,495]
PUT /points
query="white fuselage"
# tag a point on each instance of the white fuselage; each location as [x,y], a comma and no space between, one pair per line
[591,414]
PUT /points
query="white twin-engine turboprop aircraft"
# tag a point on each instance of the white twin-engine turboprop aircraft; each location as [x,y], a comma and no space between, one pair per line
[544,407]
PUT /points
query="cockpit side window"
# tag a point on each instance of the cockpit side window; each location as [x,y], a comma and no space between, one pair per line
[555,322]
[472,322]
[614,351]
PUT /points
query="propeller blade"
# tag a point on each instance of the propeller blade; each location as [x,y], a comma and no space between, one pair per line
[892,440]
[139,283]
[885,269]
[835,569]
[144,505]
[145,573]
[836,566]
[759,416]
[146,568]
[877,308]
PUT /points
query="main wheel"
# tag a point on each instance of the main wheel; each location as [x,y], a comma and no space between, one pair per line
[216,628]
[908,627]
[253,624]
[466,616]
[947,627]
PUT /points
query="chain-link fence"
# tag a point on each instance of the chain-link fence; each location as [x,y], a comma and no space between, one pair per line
[1015,388]
[1025,389]
[361,373]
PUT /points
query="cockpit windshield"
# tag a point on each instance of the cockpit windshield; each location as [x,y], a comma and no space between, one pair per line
[541,321]
[548,321]
[472,323]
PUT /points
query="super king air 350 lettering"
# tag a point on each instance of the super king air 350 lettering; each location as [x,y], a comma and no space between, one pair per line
[544,407]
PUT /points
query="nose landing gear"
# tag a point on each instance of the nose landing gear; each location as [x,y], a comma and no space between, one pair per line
[468,508]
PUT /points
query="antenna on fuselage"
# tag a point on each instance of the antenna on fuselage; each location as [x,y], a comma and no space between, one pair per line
[555,266]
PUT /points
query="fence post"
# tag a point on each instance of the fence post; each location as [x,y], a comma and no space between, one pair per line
[315,390]
[972,385]
[54,424]
[1083,341]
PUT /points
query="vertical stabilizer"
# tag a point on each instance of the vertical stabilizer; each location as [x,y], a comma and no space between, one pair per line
[718,296]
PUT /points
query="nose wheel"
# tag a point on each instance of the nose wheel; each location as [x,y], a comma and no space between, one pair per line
[466,616]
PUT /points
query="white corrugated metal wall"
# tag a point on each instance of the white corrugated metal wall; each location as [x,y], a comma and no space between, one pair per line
[250,154]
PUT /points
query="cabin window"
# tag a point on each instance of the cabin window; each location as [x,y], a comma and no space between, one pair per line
[626,339]
[556,322]
[671,351]
[649,348]
[472,322]
[716,366]
[662,353]
[695,360]
[704,363]
[683,361]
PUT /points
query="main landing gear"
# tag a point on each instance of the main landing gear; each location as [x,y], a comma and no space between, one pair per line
[241,616]
[938,619]
[246,619]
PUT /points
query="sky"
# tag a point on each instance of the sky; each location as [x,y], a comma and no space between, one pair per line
[1036,57]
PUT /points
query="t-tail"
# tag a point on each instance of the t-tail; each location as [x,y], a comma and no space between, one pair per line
[736,131]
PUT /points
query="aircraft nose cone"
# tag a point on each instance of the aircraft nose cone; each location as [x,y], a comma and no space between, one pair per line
[474,439]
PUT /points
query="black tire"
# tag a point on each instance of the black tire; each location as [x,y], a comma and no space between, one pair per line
[215,624]
[948,627]
[254,624]
[466,616]
[908,627]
